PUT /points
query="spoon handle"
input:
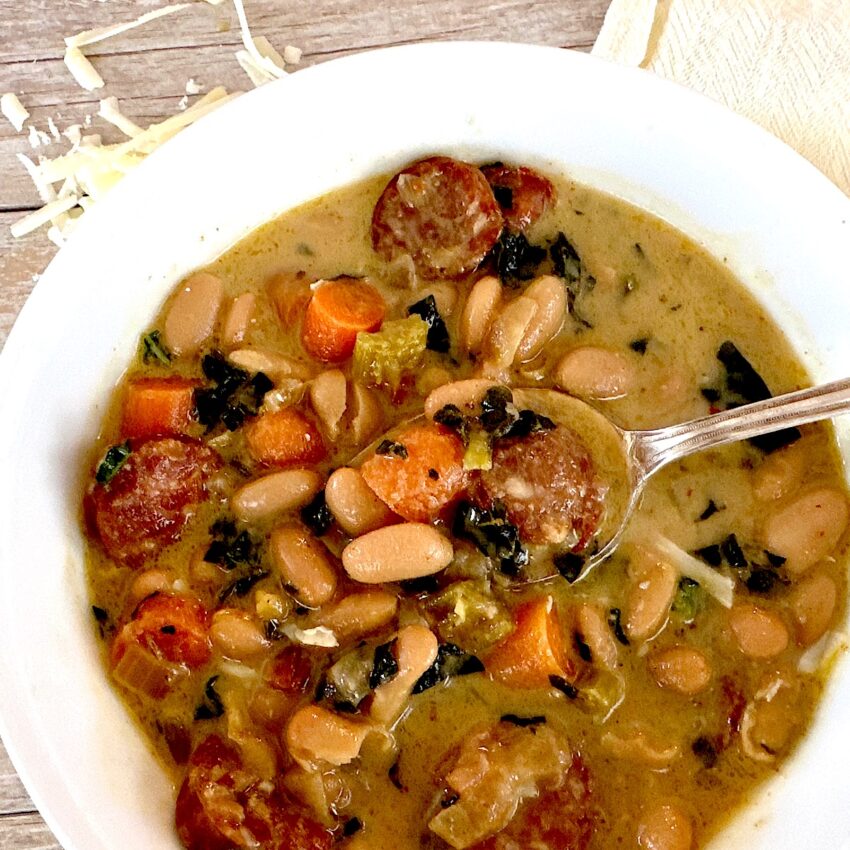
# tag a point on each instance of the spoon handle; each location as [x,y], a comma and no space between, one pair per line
[653,449]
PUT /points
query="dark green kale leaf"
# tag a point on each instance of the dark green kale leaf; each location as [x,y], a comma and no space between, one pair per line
[114,459]
[451,661]
[494,536]
[438,334]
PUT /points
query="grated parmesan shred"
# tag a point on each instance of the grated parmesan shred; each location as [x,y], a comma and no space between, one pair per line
[89,169]
[14,110]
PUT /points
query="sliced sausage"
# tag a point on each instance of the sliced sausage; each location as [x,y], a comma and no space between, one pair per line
[523,194]
[151,498]
[440,212]
[548,485]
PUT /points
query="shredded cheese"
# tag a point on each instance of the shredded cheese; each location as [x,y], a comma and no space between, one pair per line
[291,55]
[261,61]
[82,70]
[81,39]
[14,110]
[110,112]
[193,86]
[266,49]
[42,216]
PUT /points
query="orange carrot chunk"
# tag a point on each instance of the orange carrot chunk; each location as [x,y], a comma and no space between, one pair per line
[420,473]
[337,312]
[284,438]
[158,407]
[534,651]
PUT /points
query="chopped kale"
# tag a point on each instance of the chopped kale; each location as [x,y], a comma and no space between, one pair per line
[743,385]
[168,630]
[732,552]
[390,448]
[393,774]
[234,396]
[582,648]
[761,580]
[562,685]
[710,509]
[384,666]
[242,585]
[423,584]
[274,629]
[528,422]
[114,459]
[565,259]
[689,599]
[352,826]
[710,394]
[569,565]
[495,417]
[451,661]
[451,417]
[229,548]
[494,536]
[639,345]
[448,799]
[100,614]
[212,706]
[316,515]
[710,554]
[517,720]
[705,751]
[438,334]
[154,350]
[775,560]
[433,474]
[516,258]
[616,626]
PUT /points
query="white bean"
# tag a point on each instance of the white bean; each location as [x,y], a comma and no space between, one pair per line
[779,474]
[359,614]
[238,319]
[190,320]
[304,564]
[682,669]
[665,827]
[507,332]
[807,529]
[273,494]
[466,395]
[812,604]
[396,553]
[366,417]
[652,588]
[760,633]
[596,373]
[415,650]
[478,313]
[551,296]
[327,395]
[592,626]
[236,634]
[353,504]
[315,735]
[276,366]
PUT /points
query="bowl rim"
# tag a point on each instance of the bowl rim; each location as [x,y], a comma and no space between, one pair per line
[43,753]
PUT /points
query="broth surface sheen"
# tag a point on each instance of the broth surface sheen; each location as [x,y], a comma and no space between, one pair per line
[296,699]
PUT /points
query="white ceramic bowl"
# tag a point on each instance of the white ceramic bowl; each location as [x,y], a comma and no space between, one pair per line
[781,225]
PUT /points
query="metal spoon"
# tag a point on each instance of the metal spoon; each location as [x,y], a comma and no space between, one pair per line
[643,453]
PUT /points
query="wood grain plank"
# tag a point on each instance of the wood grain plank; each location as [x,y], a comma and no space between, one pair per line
[13,796]
[26,832]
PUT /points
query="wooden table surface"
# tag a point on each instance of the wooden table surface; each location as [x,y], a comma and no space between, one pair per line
[147,70]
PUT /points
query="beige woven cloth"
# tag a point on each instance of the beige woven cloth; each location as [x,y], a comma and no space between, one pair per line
[783,63]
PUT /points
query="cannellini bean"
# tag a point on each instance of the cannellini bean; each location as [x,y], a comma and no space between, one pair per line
[682,669]
[269,707]
[508,330]
[396,553]
[592,626]
[190,320]
[551,296]
[652,588]
[812,604]
[638,746]
[276,366]
[479,312]
[366,417]
[596,373]
[768,721]
[273,494]
[238,319]
[315,735]
[779,474]
[147,583]
[353,503]
[236,634]
[807,529]
[359,614]
[327,395]
[760,633]
[415,650]
[466,395]
[303,563]
[665,826]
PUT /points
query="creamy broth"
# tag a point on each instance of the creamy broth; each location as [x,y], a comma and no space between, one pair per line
[648,734]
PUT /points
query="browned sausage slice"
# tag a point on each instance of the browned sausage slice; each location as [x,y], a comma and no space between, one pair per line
[442,213]
[548,485]
[523,194]
[147,504]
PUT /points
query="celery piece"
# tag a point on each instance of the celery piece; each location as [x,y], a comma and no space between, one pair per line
[479,452]
[381,358]
[470,616]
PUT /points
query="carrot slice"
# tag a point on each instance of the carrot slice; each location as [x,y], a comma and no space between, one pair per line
[421,479]
[284,438]
[534,651]
[337,312]
[158,407]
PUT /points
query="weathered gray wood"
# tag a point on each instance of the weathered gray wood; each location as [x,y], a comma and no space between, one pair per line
[147,70]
